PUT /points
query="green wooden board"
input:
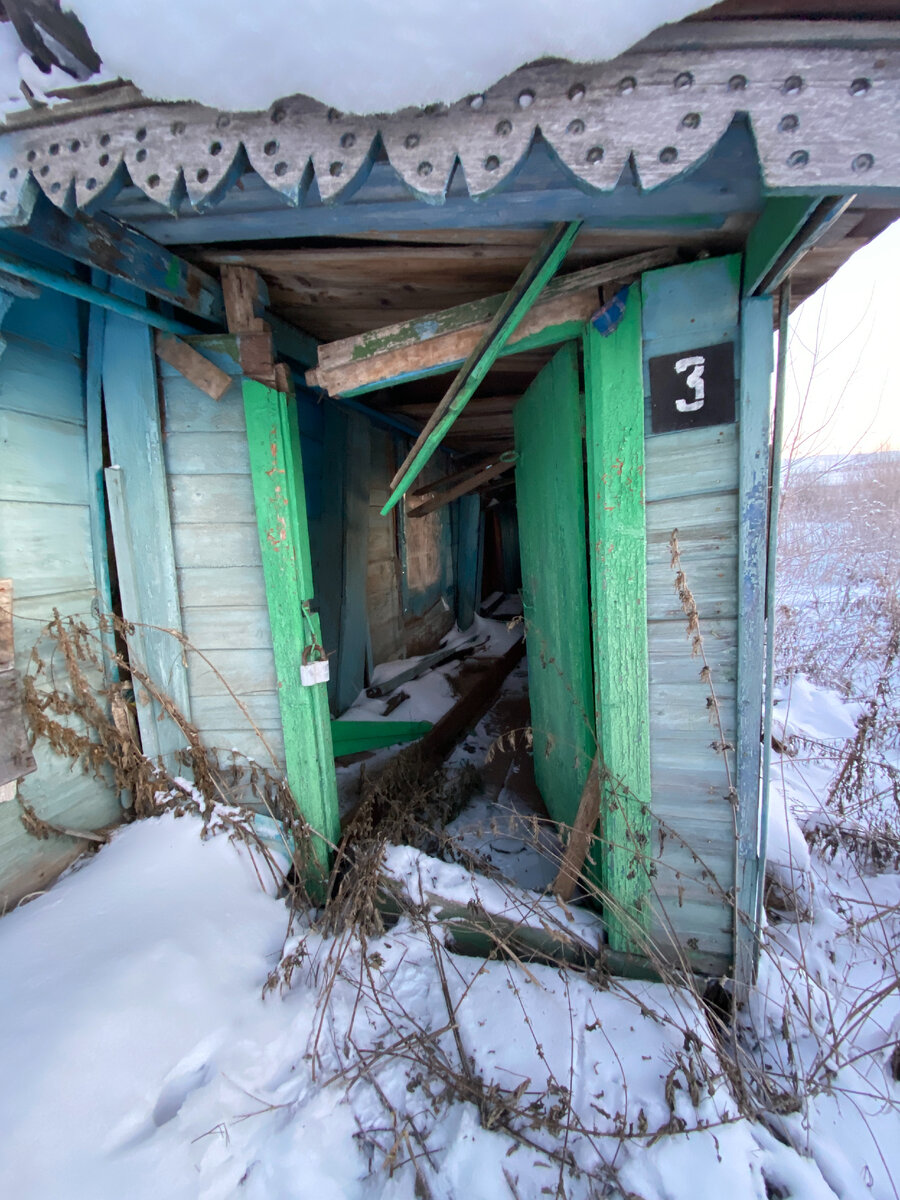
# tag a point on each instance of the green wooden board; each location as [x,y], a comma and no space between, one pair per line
[550,493]
[276,465]
[350,737]
[614,412]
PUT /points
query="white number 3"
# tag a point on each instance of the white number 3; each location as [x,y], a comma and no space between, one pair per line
[694,381]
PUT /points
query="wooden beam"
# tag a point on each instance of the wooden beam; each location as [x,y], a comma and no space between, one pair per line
[778,223]
[549,323]
[614,411]
[276,467]
[449,481]
[580,835]
[495,467]
[352,737]
[480,312]
[540,269]
[193,366]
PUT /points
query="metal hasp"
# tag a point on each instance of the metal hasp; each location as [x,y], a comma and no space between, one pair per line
[540,269]
[614,414]
[273,438]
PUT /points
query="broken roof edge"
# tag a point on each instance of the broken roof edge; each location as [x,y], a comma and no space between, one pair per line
[820,103]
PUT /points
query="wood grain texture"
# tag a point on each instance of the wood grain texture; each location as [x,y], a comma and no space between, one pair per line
[550,494]
[614,413]
[691,485]
[756,370]
[144,531]
[277,472]
[192,365]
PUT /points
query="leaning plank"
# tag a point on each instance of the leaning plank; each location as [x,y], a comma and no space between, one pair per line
[614,410]
[479,312]
[450,350]
[351,737]
[192,365]
[540,270]
[273,438]
[580,836]
[495,467]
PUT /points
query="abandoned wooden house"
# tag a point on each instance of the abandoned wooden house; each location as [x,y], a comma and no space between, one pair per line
[307,387]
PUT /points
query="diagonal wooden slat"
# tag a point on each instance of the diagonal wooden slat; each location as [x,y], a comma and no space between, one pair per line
[541,268]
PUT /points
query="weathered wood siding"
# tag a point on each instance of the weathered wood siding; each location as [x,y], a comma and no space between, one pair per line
[410,583]
[46,549]
[219,568]
[691,484]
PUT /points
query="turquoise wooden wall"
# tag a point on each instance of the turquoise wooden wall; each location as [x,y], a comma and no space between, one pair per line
[46,548]
[692,486]
[217,557]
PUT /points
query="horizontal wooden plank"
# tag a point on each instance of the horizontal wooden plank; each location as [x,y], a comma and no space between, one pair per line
[713,582]
[188,410]
[44,460]
[691,462]
[193,499]
[704,520]
[213,545]
[221,587]
[671,657]
[247,744]
[208,454]
[477,312]
[46,548]
[220,711]
[244,672]
[37,379]
[450,349]
[224,628]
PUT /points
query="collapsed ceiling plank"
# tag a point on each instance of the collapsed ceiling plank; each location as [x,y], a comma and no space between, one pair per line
[438,494]
[448,336]
[540,270]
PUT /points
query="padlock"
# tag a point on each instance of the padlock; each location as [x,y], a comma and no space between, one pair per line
[314,672]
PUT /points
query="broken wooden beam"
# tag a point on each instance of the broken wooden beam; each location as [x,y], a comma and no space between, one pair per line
[438,498]
[245,299]
[477,313]
[541,268]
[190,363]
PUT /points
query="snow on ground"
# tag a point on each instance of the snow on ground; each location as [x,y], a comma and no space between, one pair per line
[141,1058]
[359,56]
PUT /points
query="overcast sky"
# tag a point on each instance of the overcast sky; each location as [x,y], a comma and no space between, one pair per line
[843,356]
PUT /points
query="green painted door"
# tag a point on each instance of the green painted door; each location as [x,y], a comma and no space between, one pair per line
[550,496]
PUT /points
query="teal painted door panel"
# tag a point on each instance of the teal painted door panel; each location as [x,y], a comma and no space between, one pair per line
[550,495]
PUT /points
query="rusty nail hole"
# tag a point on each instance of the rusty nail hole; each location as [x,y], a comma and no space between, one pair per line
[575,128]
[153,181]
[691,120]
[335,169]
[215,148]
[668,154]
[595,155]
[792,85]
[424,169]
[281,168]
[269,148]
[737,83]
[684,79]
[103,160]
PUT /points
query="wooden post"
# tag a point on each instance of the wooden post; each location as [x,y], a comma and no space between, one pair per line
[273,438]
[614,410]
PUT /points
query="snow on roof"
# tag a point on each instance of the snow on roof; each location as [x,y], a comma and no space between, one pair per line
[360,56]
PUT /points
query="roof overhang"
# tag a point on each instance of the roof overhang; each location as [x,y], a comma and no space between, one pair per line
[821,98]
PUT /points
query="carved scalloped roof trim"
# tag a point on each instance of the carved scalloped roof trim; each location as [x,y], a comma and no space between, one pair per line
[823,117]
